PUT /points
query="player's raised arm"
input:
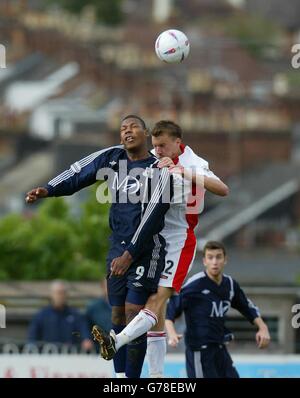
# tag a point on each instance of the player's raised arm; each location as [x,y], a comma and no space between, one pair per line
[80,175]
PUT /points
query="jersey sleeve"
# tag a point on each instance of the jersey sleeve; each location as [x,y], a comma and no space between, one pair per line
[156,209]
[244,305]
[80,175]
[205,170]
[174,308]
[201,167]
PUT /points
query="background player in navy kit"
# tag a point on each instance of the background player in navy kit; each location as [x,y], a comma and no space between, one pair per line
[135,224]
[204,299]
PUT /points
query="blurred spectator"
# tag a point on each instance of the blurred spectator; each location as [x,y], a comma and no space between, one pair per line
[60,323]
[98,312]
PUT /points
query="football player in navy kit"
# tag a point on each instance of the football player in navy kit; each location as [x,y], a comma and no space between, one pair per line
[205,299]
[142,194]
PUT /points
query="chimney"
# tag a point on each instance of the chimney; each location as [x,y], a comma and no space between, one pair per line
[162,10]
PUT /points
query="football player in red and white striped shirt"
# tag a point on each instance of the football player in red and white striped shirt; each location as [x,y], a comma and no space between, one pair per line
[180,222]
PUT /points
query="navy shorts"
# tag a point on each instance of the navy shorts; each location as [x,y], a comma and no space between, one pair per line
[211,361]
[140,280]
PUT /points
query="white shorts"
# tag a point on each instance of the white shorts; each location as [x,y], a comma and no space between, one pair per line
[180,255]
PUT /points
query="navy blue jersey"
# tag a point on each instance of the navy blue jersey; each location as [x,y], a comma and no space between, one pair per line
[138,195]
[205,304]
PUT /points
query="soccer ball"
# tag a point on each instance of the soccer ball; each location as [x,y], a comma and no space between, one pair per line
[172,46]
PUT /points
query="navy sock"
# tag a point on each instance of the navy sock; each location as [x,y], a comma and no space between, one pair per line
[136,351]
[120,357]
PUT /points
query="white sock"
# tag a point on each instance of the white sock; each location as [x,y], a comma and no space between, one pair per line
[121,375]
[156,353]
[140,324]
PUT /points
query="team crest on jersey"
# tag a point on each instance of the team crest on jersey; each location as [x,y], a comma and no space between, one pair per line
[219,311]
[129,184]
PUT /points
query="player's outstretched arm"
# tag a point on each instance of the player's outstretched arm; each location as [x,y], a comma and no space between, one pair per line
[262,336]
[35,194]
[80,175]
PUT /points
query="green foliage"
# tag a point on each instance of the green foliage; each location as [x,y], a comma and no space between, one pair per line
[54,244]
[107,11]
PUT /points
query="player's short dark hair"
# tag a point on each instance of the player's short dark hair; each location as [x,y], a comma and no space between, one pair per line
[166,127]
[136,117]
[214,245]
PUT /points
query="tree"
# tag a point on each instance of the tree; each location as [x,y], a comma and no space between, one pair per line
[107,11]
[55,244]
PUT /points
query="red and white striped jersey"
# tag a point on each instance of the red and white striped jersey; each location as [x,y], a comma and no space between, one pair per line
[181,220]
